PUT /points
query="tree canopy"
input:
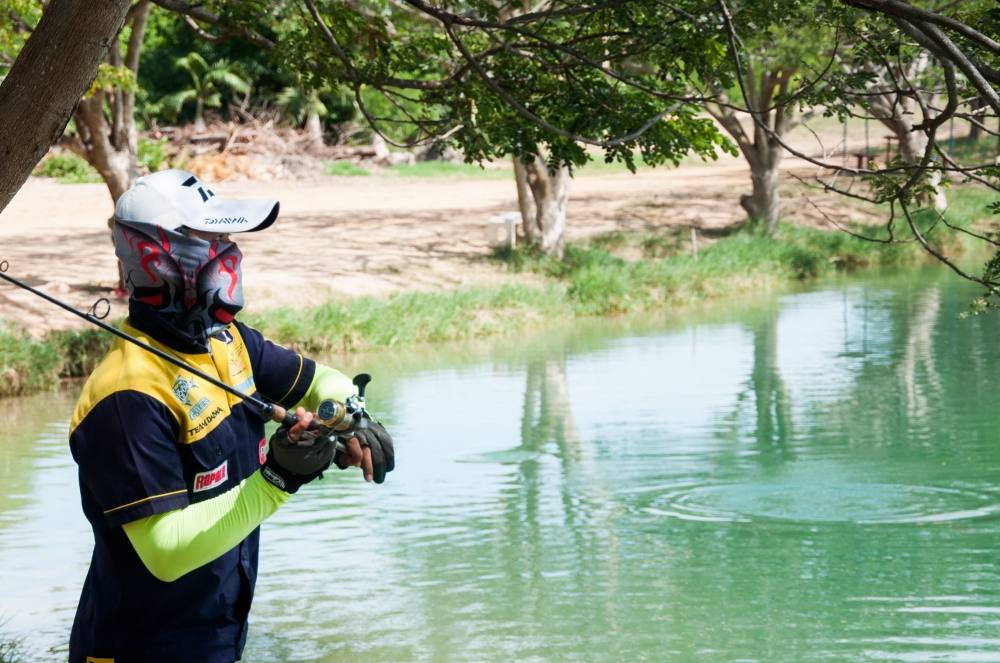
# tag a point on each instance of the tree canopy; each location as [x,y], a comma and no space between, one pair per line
[626,80]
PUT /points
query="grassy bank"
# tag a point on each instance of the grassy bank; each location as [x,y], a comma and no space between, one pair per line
[609,275]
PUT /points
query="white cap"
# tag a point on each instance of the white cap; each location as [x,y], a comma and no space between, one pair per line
[175,198]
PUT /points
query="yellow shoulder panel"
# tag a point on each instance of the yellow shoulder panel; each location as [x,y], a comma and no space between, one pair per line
[197,406]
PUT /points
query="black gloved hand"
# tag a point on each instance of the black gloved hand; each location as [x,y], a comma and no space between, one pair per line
[374,436]
[290,464]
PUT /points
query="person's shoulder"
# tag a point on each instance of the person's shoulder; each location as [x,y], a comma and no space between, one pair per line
[246,331]
[251,337]
[126,368]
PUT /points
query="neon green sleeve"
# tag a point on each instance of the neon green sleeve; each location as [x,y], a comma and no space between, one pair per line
[174,543]
[327,383]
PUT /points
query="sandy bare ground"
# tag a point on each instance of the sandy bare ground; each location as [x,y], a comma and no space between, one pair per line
[373,235]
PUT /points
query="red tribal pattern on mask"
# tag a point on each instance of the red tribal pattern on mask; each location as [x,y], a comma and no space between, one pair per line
[194,283]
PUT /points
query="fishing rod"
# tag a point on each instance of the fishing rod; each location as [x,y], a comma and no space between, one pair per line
[331,415]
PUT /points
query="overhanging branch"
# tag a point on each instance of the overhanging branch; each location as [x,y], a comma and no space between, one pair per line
[204,16]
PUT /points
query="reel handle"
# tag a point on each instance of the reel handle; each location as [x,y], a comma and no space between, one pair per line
[361,381]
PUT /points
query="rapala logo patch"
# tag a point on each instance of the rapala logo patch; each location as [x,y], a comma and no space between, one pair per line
[262,450]
[212,478]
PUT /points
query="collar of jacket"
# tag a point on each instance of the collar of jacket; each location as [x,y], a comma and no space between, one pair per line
[145,318]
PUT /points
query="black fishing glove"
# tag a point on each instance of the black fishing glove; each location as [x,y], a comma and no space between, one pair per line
[290,464]
[374,436]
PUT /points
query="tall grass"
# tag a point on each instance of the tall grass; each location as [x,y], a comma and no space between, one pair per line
[12,649]
[592,279]
[67,168]
[412,317]
[26,365]
[599,281]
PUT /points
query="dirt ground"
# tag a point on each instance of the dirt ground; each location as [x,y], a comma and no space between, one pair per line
[350,236]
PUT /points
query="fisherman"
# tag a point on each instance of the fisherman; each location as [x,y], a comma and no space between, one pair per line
[175,474]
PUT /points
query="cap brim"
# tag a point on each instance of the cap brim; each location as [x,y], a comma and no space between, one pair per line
[236,216]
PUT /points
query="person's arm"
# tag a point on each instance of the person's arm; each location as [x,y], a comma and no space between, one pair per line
[174,543]
[327,383]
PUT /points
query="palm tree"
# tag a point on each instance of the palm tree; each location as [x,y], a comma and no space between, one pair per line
[304,105]
[205,82]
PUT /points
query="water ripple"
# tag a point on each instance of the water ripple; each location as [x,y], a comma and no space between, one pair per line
[857,503]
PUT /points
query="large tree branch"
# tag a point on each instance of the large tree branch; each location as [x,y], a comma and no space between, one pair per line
[512,25]
[138,15]
[726,116]
[33,116]
[947,50]
[904,10]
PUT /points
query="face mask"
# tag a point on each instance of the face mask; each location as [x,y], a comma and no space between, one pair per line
[194,283]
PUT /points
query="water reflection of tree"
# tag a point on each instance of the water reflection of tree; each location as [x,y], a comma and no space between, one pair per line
[559,545]
[546,415]
[904,393]
[819,571]
[765,389]
[918,350]
[773,406]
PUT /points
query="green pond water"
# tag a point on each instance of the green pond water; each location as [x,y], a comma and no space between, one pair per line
[810,477]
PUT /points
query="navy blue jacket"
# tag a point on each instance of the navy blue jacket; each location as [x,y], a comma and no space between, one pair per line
[150,438]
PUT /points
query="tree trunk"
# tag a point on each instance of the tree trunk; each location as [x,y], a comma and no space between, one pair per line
[524,203]
[116,165]
[759,143]
[111,147]
[911,148]
[45,83]
[382,154]
[199,115]
[763,205]
[976,128]
[314,130]
[895,111]
[550,192]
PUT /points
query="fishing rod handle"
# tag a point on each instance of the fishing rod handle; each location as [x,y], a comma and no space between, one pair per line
[282,416]
[288,419]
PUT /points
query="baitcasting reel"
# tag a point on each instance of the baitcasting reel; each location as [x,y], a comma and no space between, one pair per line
[335,417]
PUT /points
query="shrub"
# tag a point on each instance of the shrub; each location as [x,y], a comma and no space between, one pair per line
[345,169]
[152,154]
[26,365]
[68,169]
